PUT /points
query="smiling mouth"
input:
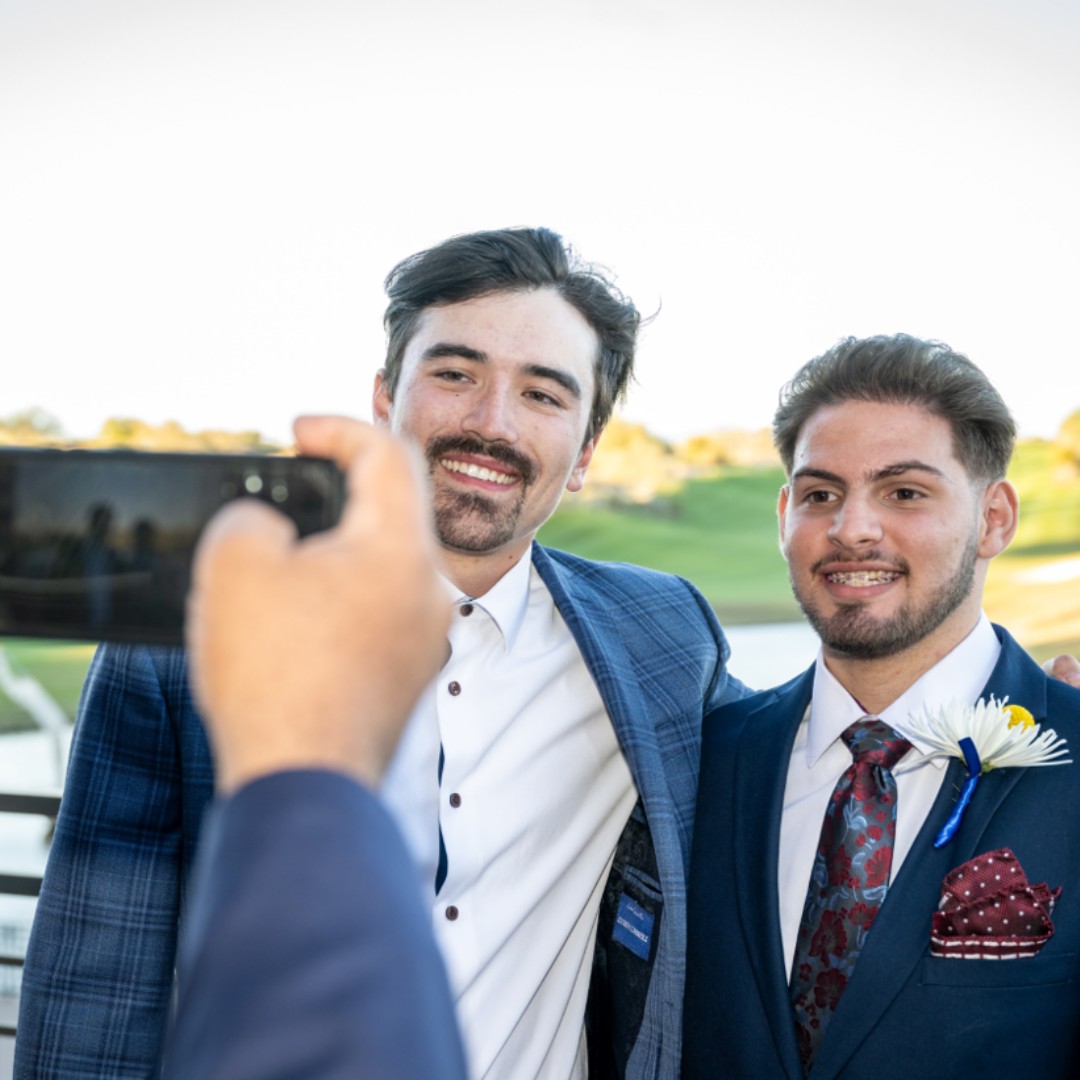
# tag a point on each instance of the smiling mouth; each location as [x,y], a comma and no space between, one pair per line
[863,579]
[477,472]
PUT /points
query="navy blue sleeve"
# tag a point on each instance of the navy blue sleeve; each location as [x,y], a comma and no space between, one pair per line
[306,953]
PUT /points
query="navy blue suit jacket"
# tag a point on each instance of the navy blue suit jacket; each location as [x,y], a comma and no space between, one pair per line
[306,954]
[904,1013]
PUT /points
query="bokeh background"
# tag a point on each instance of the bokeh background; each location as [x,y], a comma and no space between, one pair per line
[201,198]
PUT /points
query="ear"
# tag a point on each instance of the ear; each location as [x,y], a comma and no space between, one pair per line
[781,512]
[577,475]
[380,400]
[998,518]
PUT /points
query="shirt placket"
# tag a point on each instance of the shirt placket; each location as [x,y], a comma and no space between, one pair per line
[459,706]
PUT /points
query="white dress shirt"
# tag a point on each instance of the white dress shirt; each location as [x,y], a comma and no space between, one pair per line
[534,795]
[819,757]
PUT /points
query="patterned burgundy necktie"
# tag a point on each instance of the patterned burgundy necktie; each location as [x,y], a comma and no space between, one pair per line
[849,879]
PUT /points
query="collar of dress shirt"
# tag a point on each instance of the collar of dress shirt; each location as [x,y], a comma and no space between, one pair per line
[506,601]
[961,675]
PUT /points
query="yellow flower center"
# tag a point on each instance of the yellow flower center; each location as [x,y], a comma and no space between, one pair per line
[1019,717]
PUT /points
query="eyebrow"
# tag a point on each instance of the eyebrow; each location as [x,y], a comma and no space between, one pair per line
[563,378]
[889,471]
[446,348]
[443,349]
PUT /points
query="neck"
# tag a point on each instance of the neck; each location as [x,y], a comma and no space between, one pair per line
[475,575]
[876,684]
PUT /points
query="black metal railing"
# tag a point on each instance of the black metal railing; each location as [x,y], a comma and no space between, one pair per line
[22,884]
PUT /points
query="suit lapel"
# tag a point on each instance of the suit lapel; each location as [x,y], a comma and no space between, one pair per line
[600,628]
[900,937]
[760,779]
[598,637]
[1018,678]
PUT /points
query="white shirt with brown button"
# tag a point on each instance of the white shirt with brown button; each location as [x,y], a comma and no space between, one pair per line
[534,795]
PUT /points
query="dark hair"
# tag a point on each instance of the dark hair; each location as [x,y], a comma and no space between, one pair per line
[512,260]
[908,371]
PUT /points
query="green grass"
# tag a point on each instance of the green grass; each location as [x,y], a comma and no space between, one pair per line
[60,666]
[1049,504]
[721,534]
[718,532]
[1045,616]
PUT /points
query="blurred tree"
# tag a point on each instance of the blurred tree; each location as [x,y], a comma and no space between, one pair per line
[731,447]
[138,435]
[1067,443]
[631,464]
[704,450]
[31,425]
[119,431]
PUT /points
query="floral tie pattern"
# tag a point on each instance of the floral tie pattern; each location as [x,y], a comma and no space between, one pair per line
[849,879]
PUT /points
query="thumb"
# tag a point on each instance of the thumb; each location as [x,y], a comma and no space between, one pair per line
[242,533]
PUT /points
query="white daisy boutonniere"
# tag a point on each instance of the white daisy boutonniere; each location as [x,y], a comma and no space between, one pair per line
[985,736]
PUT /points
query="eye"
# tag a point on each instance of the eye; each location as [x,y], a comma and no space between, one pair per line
[542,397]
[819,497]
[905,494]
[451,375]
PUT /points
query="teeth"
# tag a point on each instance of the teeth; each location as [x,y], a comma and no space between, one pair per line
[478,472]
[862,579]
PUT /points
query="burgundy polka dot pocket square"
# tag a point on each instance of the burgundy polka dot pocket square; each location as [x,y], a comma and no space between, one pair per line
[989,911]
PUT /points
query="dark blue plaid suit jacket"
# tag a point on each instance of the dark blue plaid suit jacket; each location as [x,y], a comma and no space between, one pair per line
[99,969]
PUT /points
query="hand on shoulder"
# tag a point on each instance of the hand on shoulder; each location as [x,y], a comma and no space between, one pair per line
[1065,668]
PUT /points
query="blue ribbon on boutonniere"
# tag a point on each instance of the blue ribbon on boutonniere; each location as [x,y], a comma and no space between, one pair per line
[974,766]
[988,735]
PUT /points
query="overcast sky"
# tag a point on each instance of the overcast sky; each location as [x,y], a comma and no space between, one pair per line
[199,199]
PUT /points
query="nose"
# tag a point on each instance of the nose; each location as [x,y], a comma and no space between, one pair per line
[855,523]
[491,416]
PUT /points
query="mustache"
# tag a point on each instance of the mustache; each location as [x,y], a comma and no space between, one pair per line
[497,451]
[835,557]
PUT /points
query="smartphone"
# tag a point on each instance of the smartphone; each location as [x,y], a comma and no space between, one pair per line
[98,544]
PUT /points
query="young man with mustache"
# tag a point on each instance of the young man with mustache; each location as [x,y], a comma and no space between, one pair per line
[550,766]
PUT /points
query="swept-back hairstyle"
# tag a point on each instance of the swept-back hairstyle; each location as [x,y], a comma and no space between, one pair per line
[908,371]
[514,260]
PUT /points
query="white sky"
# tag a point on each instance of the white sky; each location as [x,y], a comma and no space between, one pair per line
[199,199]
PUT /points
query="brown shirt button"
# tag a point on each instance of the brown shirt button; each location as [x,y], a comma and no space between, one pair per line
[466,609]
[455,800]
[454,688]
[451,913]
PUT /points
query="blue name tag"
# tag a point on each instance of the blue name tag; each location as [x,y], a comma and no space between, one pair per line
[633,927]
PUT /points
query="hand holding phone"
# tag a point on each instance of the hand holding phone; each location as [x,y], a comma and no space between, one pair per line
[98,544]
[312,654]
